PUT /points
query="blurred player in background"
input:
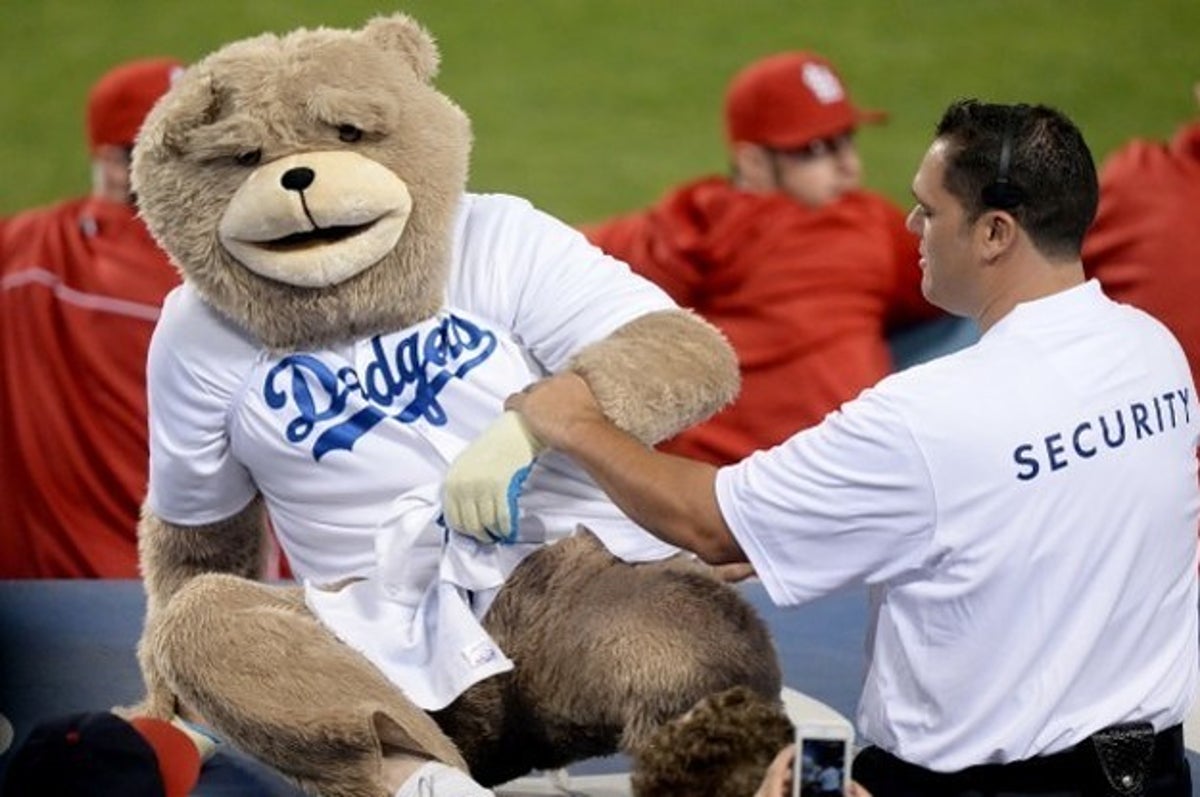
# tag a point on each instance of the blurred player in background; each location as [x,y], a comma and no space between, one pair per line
[1145,244]
[804,271]
[81,283]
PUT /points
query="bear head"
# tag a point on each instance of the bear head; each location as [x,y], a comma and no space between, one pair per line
[306,184]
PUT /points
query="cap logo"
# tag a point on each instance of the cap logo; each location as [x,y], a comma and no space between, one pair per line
[823,83]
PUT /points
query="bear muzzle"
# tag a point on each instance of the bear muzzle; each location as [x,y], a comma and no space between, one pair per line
[316,219]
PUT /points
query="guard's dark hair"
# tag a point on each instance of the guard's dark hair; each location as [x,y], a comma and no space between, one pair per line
[1050,185]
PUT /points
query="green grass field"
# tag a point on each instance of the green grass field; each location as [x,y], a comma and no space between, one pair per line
[588,107]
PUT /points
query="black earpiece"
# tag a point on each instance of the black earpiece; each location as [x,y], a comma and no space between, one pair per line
[1001,193]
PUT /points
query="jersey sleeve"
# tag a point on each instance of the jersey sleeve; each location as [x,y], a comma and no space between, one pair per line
[192,381]
[848,500]
[543,280]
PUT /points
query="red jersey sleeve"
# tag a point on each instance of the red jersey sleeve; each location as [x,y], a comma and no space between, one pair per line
[643,240]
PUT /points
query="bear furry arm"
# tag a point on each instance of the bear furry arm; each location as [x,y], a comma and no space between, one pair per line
[171,554]
[660,373]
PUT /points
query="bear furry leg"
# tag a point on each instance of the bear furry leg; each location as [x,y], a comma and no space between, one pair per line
[264,673]
[605,652]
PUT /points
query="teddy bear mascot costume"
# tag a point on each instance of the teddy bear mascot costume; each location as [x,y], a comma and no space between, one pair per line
[349,325]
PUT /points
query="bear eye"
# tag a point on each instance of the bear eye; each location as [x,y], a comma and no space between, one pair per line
[250,157]
[349,133]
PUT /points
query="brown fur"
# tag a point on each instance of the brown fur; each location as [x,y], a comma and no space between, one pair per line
[169,557]
[243,98]
[230,649]
[605,651]
[721,748]
[694,373]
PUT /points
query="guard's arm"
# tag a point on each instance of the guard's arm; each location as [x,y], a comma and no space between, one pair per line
[672,497]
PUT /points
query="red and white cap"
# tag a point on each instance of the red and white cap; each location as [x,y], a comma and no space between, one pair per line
[120,100]
[789,100]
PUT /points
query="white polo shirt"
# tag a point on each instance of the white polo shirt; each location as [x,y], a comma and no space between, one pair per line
[349,446]
[1026,513]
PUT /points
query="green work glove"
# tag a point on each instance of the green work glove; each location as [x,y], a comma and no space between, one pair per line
[483,483]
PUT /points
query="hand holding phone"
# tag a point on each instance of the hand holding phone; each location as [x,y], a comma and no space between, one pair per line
[822,766]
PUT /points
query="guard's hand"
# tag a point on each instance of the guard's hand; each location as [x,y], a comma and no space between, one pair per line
[554,409]
[483,483]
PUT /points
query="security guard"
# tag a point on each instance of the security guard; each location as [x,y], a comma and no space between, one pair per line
[1025,510]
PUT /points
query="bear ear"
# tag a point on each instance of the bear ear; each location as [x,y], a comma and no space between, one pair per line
[402,32]
[192,102]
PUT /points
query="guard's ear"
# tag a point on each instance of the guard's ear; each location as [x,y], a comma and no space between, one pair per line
[402,32]
[996,232]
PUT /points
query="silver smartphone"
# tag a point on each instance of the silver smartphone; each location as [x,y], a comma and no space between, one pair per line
[822,767]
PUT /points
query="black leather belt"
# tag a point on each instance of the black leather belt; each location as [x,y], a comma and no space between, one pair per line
[1121,761]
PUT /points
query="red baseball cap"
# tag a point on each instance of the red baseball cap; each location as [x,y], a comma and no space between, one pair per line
[100,754]
[119,101]
[789,100]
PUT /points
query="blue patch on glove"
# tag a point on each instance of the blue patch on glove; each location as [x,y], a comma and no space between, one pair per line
[515,485]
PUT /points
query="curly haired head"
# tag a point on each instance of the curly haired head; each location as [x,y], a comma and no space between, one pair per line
[722,747]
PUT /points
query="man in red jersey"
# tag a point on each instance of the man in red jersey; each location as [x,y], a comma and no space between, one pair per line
[81,283]
[1144,246]
[804,271]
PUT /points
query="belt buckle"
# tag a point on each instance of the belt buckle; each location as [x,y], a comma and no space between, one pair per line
[1124,752]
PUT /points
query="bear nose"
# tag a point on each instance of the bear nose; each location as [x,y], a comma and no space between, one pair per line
[297,179]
